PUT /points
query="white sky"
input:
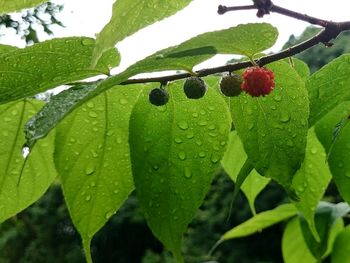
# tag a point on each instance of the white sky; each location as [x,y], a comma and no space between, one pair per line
[86,18]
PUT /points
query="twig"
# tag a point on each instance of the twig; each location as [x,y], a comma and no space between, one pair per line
[331,30]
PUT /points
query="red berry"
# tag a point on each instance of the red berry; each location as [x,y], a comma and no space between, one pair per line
[258,81]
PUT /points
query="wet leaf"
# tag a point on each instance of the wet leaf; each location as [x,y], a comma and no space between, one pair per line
[311,180]
[273,129]
[236,40]
[325,217]
[338,150]
[136,15]
[28,71]
[328,87]
[261,221]
[175,151]
[92,158]
[22,182]
[7,6]
[233,160]
[341,247]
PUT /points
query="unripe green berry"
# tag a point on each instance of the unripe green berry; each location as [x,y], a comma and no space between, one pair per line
[158,97]
[230,85]
[195,88]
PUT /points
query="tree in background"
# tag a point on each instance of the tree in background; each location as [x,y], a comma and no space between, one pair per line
[318,56]
[27,23]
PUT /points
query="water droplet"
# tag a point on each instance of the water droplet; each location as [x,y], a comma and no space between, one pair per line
[300,189]
[123,101]
[182,155]
[195,114]
[313,150]
[25,152]
[93,184]
[116,191]
[94,153]
[203,112]
[211,127]
[119,140]
[108,215]
[199,143]
[213,134]
[87,42]
[90,104]
[202,154]
[251,126]
[340,164]
[273,107]
[202,123]
[277,98]
[93,114]
[88,198]
[183,125]
[214,158]
[178,140]
[285,117]
[156,167]
[190,135]
[14,112]
[187,173]
[90,169]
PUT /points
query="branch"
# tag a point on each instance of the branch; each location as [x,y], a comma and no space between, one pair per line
[330,31]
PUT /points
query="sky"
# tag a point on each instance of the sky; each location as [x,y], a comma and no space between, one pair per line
[86,18]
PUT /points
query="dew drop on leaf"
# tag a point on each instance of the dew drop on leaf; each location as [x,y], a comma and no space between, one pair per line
[183,125]
[90,169]
[178,140]
[313,150]
[25,152]
[182,155]
[187,173]
[285,117]
[88,198]
[123,101]
[93,114]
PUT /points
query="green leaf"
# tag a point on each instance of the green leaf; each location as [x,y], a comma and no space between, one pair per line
[136,15]
[26,72]
[328,87]
[301,68]
[261,221]
[22,181]
[175,151]
[236,40]
[55,110]
[311,180]
[338,150]
[92,158]
[294,248]
[325,217]
[7,6]
[233,160]
[341,247]
[273,129]
[6,48]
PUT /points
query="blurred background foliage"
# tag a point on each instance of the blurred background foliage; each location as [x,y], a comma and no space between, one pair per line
[44,232]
